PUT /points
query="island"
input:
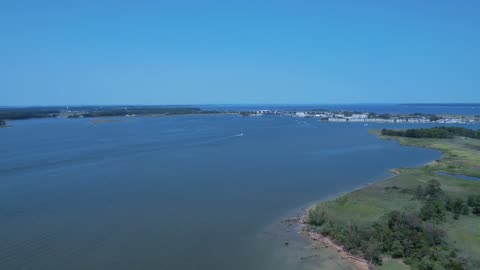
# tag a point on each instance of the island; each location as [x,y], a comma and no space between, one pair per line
[421,218]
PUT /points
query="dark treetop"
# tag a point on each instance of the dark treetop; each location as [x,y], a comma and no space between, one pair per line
[435,132]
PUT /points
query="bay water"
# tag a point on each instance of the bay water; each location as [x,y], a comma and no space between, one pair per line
[183,192]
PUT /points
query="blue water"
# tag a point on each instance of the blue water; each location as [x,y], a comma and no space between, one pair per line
[461,176]
[186,192]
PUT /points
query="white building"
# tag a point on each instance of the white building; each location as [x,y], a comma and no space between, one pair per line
[360,116]
[337,120]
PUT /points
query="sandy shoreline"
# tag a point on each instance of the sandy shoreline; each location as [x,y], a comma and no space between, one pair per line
[357,262]
[301,219]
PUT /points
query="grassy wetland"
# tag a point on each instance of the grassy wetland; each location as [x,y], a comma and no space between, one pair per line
[418,219]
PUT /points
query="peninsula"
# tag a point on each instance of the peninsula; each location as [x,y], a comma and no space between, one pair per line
[422,218]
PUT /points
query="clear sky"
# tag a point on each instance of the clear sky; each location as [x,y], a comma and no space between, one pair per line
[233,52]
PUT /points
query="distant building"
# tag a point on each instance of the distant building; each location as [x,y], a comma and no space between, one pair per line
[353,119]
[360,116]
[337,119]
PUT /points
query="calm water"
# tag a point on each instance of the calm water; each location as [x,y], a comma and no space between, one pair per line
[189,192]
[465,177]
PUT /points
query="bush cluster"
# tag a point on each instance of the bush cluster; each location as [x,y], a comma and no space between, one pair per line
[415,236]
[474,202]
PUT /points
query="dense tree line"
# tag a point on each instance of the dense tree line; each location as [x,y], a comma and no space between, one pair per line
[431,117]
[246,113]
[435,132]
[27,113]
[143,111]
[416,237]
[95,111]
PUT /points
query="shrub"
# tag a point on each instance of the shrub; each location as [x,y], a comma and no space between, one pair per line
[473,201]
[316,217]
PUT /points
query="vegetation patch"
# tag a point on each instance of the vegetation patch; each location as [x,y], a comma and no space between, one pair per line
[27,113]
[435,132]
[417,219]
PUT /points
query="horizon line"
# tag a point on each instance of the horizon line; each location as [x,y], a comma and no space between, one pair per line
[253,104]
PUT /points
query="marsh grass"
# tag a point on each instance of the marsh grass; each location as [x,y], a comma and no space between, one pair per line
[365,206]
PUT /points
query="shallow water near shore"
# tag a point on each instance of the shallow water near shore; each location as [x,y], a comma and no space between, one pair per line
[187,192]
[461,176]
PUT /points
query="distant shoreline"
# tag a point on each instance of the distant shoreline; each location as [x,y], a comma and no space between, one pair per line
[328,115]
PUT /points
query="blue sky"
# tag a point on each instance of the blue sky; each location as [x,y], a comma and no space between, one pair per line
[205,52]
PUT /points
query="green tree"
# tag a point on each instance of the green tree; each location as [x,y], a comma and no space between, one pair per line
[396,249]
[433,188]
[433,210]
[372,250]
[473,200]
[459,208]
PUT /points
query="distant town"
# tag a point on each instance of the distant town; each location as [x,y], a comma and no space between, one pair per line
[370,117]
[13,113]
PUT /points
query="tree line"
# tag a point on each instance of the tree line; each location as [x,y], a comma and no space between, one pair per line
[435,132]
[94,111]
[141,111]
[27,113]
[431,117]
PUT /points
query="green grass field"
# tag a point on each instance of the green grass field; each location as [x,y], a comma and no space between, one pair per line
[367,205]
